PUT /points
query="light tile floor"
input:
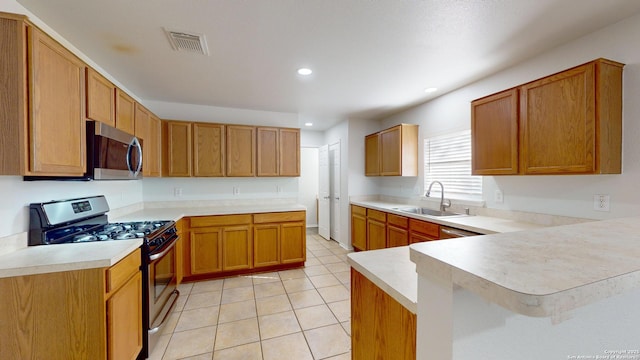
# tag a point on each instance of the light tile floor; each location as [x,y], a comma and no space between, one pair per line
[294,314]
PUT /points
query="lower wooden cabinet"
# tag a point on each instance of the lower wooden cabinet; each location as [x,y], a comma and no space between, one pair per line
[381,328]
[420,231]
[80,314]
[228,244]
[358,227]
[397,230]
[376,229]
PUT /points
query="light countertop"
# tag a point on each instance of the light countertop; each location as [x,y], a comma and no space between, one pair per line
[392,271]
[479,224]
[542,272]
[65,257]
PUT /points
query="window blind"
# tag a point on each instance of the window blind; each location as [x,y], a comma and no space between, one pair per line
[447,159]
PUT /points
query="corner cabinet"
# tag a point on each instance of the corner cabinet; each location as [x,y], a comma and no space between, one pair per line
[79,314]
[392,152]
[565,123]
[42,117]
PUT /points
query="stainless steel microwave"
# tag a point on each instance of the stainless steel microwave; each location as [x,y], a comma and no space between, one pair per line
[112,154]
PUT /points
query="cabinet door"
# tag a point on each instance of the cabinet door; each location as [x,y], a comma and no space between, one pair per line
[376,234]
[240,154]
[371,155]
[208,149]
[558,119]
[289,152]
[397,236]
[266,245]
[415,237]
[101,102]
[153,147]
[391,152]
[125,112]
[124,320]
[293,242]
[268,147]
[236,247]
[494,134]
[358,227]
[142,131]
[57,121]
[177,141]
[205,248]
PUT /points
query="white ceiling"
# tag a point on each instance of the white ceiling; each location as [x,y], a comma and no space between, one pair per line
[371,58]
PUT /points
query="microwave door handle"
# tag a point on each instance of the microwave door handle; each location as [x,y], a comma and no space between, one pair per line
[134,143]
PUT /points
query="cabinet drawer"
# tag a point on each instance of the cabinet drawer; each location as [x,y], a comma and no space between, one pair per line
[396,220]
[279,217]
[220,220]
[358,210]
[119,273]
[377,215]
[424,227]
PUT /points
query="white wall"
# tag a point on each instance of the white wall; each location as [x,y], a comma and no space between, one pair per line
[308,183]
[17,195]
[559,195]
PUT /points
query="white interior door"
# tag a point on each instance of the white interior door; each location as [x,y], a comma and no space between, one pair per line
[334,188]
[324,203]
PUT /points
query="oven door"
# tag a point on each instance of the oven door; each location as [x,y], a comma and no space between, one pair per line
[163,293]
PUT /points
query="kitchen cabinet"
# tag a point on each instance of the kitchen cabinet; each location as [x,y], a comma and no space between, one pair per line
[182,230]
[279,238]
[397,152]
[397,230]
[278,151]
[381,328]
[420,231]
[101,101]
[42,117]
[125,112]
[208,149]
[494,125]
[219,243]
[240,150]
[372,155]
[177,156]
[376,229]
[80,314]
[148,128]
[567,123]
[358,227]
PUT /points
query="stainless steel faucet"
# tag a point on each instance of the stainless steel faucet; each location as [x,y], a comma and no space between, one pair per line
[443,206]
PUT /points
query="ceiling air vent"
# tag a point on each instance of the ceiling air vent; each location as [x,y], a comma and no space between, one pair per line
[190,42]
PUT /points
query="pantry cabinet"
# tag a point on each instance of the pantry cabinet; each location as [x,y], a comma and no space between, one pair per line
[392,152]
[80,314]
[101,101]
[565,123]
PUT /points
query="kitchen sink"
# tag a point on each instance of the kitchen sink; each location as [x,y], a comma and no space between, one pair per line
[429,212]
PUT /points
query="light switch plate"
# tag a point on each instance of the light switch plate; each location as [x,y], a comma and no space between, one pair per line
[498,198]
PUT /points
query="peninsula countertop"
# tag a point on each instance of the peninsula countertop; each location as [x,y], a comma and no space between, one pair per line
[542,272]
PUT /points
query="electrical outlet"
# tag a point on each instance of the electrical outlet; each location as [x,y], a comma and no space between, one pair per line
[177,192]
[278,189]
[236,190]
[498,197]
[601,202]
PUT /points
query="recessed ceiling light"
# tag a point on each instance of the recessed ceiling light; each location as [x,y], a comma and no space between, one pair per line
[430,90]
[305,71]
[308,124]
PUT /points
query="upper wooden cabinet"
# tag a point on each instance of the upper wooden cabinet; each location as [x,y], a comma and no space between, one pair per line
[278,151]
[176,139]
[101,101]
[397,151]
[240,150]
[148,128]
[125,112]
[208,149]
[566,123]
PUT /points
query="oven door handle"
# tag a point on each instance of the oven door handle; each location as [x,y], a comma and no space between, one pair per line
[166,315]
[172,243]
